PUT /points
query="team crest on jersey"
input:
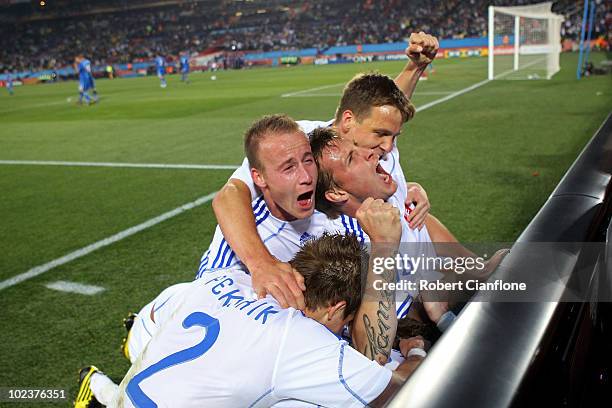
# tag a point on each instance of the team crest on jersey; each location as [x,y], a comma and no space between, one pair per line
[305,237]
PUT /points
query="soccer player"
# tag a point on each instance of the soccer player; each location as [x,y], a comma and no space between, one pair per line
[160,66]
[375,125]
[9,81]
[284,171]
[348,175]
[86,81]
[284,214]
[184,62]
[215,344]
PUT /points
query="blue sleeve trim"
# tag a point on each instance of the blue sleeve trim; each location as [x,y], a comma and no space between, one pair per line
[405,304]
[343,381]
[225,253]
[163,304]
[263,218]
[346,228]
[350,220]
[359,230]
[260,208]
[221,247]
[145,327]
[203,264]
[229,260]
[261,397]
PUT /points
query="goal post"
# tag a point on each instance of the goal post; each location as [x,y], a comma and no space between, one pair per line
[524,42]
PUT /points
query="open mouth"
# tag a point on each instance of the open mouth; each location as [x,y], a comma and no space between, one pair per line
[305,199]
[384,176]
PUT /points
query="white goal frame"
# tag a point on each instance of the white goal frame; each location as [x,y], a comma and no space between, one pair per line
[552,50]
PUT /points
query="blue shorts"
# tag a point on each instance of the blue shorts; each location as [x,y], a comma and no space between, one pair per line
[85,85]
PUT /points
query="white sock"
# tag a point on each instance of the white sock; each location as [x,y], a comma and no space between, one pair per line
[103,388]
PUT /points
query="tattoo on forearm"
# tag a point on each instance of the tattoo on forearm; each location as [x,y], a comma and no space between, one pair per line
[379,336]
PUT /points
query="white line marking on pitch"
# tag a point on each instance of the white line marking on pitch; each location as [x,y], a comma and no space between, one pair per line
[337,95]
[38,105]
[305,93]
[131,165]
[290,94]
[39,270]
[73,287]
[470,88]
[451,96]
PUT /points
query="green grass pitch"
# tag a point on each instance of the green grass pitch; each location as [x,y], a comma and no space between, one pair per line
[488,160]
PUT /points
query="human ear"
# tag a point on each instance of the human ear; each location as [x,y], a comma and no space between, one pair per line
[258,178]
[336,311]
[347,120]
[336,195]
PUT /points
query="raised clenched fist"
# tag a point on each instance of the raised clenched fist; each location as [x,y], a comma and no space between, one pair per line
[380,220]
[422,48]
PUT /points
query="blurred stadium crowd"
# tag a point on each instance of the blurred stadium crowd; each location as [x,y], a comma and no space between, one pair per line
[35,37]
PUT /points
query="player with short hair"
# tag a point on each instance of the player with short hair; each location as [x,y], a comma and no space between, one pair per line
[213,338]
[160,67]
[285,172]
[86,80]
[285,215]
[184,65]
[376,128]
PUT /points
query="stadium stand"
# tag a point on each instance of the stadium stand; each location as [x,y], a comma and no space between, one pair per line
[35,38]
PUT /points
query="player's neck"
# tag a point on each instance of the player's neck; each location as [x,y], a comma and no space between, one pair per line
[277,211]
[320,316]
[350,207]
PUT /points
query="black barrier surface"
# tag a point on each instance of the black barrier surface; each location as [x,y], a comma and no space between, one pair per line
[541,272]
[500,354]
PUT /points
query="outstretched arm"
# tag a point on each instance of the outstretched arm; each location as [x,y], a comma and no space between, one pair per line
[421,51]
[232,207]
[405,370]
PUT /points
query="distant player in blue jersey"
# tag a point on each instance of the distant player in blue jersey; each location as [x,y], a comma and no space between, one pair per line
[86,81]
[160,65]
[9,81]
[184,61]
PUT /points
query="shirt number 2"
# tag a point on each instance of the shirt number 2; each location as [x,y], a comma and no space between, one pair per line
[133,390]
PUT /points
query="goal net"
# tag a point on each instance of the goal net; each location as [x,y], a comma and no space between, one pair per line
[524,42]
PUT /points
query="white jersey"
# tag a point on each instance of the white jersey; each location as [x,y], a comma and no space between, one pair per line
[149,320]
[216,339]
[283,239]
